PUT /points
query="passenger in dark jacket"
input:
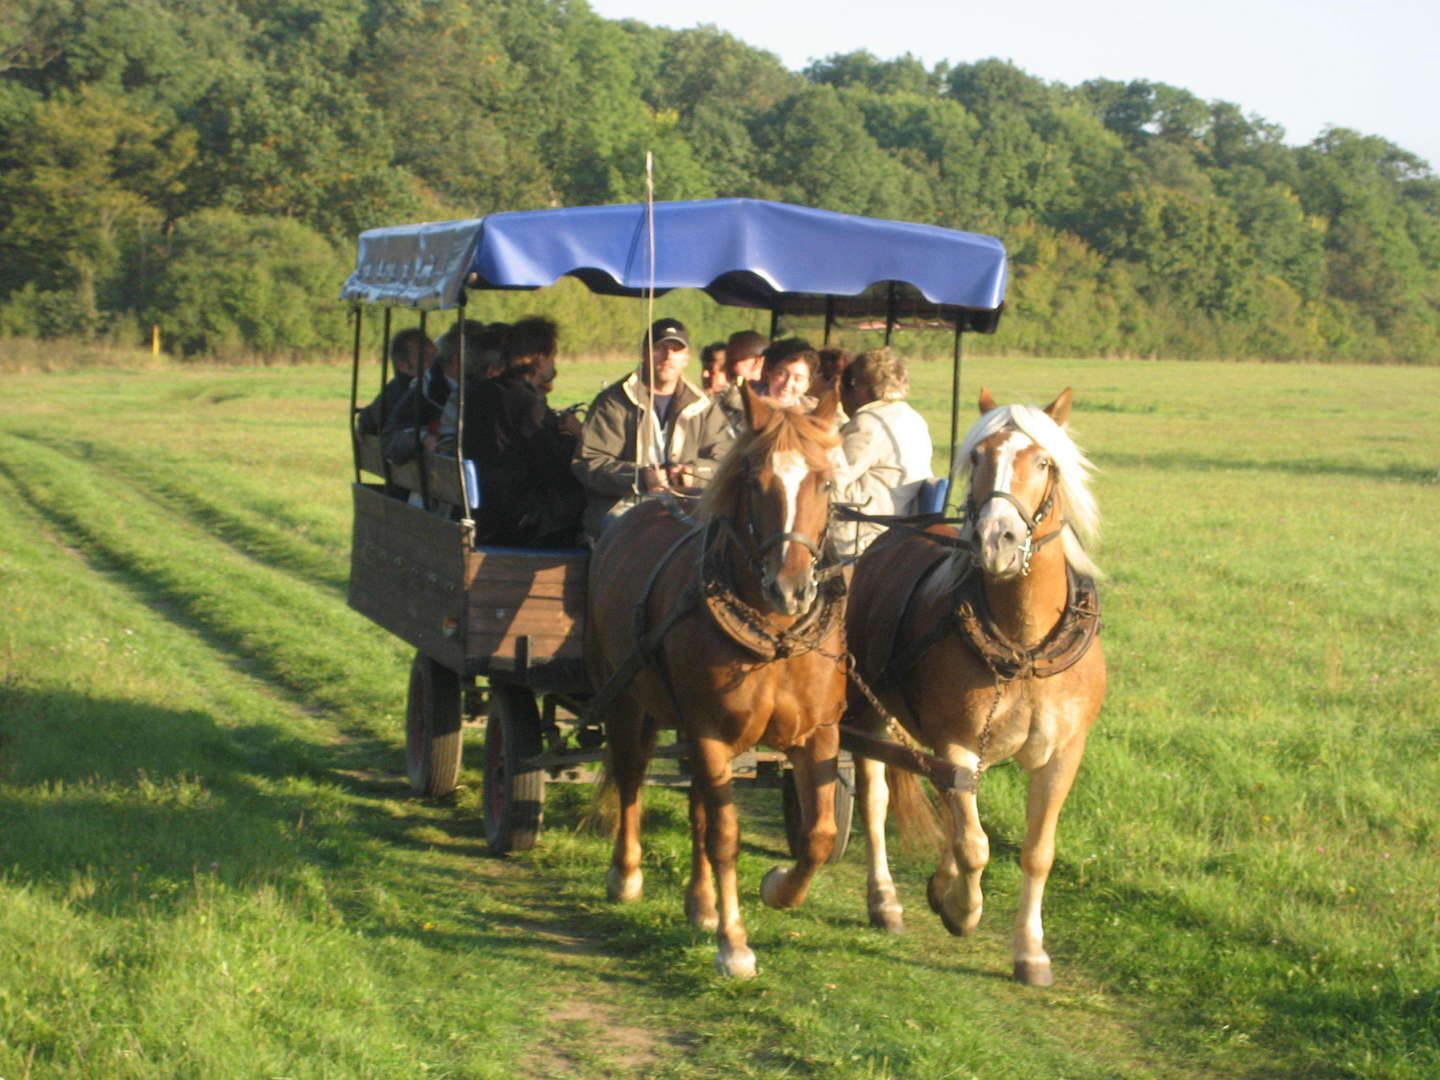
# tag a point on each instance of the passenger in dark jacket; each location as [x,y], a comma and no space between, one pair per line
[410,352]
[522,448]
[414,424]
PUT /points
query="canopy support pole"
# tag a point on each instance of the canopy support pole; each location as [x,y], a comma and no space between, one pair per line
[774,323]
[355,392]
[465,518]
[951,495]
[889,310]
[384,379]
[829,316]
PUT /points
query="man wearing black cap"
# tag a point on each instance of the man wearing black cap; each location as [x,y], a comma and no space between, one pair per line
[653,431]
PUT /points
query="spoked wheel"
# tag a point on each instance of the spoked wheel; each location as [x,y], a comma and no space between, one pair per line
[514,796]
[844,811]
[432,728]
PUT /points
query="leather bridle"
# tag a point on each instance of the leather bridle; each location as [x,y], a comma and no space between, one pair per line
[1029,545]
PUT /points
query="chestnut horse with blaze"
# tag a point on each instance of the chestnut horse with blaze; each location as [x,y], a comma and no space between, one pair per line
[982,641]
[727,628]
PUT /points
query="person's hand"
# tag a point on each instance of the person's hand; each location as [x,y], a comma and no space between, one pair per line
[680,476]
[428,440]
[569,424]
[651,479]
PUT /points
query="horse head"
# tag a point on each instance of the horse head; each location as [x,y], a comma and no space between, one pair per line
[776,486]
[1013,507]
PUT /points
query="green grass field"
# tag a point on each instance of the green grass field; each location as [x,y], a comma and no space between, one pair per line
[211,866]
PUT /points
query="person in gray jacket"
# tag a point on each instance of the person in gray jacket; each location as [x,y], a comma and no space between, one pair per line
[643,437]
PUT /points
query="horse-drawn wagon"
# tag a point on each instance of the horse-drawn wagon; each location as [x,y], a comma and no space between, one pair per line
[977,638]
[514,618]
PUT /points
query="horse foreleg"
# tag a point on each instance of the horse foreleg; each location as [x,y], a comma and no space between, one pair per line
[816,773]
[954,891]
[700,893]
[873,794]
[631,737]
[1048,789]
[722,845]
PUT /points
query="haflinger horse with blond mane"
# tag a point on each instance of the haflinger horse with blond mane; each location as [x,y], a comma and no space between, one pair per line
[982,641]
[727,627]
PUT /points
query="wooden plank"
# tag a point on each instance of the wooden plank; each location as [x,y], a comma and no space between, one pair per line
[945,775]
[407,574]
[526,607]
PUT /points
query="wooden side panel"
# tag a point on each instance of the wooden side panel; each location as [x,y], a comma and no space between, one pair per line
[408,574]
[527,609]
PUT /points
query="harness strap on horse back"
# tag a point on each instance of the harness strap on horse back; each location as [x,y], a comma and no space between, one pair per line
[971,620]
[647,641]
[740,622]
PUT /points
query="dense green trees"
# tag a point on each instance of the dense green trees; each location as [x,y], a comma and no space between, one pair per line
[207,164]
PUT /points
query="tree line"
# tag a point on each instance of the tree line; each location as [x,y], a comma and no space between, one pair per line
[206,165]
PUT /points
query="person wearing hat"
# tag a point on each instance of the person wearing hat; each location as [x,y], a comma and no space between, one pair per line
[654,431]
[744,361]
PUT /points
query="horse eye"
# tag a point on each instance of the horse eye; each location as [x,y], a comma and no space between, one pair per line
[1045,463]
[974,457]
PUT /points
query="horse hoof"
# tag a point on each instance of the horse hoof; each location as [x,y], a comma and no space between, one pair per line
[622,889]
[735,963]
[771,884]
[702,917]
[1034,972]
[888,918]
[934,895]
[964,925]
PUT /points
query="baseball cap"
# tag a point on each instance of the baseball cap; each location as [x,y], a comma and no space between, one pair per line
[669,330]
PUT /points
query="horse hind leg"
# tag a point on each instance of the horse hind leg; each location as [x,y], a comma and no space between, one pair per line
[1049,786]
[873,794]
[816,774]
[631,737]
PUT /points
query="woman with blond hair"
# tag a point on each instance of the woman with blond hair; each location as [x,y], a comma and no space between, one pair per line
[886,445]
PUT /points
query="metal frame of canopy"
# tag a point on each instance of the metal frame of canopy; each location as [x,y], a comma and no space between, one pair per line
[791,260]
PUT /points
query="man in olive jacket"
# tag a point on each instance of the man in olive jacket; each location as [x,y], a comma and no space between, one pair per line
[627,452]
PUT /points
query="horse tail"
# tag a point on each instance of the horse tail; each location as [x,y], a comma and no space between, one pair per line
[917,822]
[602,816]
[603,813]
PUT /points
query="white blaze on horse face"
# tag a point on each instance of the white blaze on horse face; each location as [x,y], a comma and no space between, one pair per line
[1000,528]
[790,469]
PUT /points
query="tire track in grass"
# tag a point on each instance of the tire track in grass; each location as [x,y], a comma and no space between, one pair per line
[266,534]
[288,630]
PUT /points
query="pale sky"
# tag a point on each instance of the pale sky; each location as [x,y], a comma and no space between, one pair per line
[1304,64]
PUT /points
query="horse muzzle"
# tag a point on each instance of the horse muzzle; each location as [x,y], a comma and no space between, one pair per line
[1002,545]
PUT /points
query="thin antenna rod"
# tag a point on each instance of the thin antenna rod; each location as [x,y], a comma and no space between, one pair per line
[645,438]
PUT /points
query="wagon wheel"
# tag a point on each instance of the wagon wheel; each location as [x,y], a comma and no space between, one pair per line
[514,797]
[432,728]
[844,811]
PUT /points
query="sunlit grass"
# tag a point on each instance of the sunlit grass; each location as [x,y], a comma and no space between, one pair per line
[210,864]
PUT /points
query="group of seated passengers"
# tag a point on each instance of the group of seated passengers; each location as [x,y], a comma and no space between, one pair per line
[545,478]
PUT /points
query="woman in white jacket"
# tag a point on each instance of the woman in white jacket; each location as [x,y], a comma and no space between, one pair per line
[886,446]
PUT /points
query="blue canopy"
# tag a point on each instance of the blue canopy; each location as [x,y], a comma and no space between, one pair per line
[744,252]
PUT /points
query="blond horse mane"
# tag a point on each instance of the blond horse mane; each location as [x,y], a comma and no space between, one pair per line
[1074,500]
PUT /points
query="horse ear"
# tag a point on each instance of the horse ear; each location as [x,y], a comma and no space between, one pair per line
[986,401]
[829,404]
[757,409]
[1059,409]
